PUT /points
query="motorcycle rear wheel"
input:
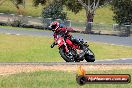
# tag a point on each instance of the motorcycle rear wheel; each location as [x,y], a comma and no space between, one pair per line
[89,56]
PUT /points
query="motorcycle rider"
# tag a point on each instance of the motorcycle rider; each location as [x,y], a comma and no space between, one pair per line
[60,29]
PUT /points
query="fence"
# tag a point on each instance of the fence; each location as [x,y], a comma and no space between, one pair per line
[39,22]
[95,26]
[107,29]
[29,20]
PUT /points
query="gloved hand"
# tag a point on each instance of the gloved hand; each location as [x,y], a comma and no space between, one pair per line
[49,28]
[52,46]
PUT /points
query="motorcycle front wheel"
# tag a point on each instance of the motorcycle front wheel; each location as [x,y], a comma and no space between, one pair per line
[65,56]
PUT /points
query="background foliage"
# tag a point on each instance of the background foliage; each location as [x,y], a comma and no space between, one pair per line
[123,11]
[54,10]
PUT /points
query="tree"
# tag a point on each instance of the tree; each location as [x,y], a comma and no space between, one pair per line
[90,12]
[16,3]
[22,2]
[75,6]
[54,10]
[123,15]
[123,11]
[90,7]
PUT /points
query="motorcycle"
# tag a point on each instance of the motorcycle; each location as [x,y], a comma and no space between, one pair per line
[70,51]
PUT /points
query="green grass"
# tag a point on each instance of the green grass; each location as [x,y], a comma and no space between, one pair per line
[8,7]
[37,49]
[103,15]
[16,28]
[107,51]
[27,48]
[20,28]
[56,79]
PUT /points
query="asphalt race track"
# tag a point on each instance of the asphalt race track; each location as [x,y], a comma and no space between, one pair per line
[115,40]
[125,41]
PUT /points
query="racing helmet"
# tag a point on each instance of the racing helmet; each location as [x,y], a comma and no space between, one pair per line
[54,25]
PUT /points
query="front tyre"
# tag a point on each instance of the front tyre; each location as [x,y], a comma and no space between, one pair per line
[64,55]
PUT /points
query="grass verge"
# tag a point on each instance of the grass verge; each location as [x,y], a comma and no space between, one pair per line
[55,79]
[15,48]
[20,28]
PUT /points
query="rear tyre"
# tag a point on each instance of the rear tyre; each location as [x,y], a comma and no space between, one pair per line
[77,60]
[63,55]
[89,56]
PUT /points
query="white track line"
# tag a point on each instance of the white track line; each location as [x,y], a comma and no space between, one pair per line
[18,34]
[113,59]
[111,44]
[8,33]
[12,34]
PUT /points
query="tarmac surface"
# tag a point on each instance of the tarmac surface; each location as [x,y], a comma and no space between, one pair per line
[115,40]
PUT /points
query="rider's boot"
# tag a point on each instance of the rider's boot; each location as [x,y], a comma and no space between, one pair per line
[81,46]
[81,55]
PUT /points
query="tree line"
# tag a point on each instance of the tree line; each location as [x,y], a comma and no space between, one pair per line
[122,9]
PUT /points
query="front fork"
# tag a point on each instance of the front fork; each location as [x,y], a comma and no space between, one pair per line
[66,48]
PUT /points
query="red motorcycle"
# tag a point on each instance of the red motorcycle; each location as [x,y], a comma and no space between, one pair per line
[70,51]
